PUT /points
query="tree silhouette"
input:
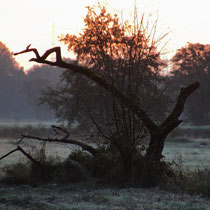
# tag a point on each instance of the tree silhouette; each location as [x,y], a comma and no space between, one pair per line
[192,63]
[121,62]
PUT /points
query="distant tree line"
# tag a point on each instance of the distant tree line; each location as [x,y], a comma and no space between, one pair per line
[190,63]
[20,92]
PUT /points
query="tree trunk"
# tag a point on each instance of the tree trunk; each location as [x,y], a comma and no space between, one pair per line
[156,145]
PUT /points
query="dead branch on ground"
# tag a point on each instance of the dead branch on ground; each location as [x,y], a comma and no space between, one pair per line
[23,152]
[64,139]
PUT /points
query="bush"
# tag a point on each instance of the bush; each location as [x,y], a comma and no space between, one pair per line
[196,182]
[16,174]
[106,167]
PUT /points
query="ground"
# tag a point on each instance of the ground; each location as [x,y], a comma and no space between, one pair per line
[192,152]
[75,197]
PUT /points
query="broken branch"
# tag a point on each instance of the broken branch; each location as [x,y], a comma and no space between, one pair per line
[172,120]
[9,153]
[85,147]
[28,156]
[55,128]
[23,152]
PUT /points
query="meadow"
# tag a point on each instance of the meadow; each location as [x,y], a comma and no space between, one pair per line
[187,147]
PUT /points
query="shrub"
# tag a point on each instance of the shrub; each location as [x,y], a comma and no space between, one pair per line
[16,174]
[193,182]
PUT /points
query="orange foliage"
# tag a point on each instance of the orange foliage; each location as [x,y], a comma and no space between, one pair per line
[104,40]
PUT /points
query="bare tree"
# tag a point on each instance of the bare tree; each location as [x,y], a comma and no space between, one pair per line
[158,133]
[124,62]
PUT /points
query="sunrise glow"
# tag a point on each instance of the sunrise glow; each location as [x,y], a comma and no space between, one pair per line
[39,22]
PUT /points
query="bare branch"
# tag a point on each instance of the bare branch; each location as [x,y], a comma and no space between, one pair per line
[29,50]
[172,120]
[24,153]
[55,128]
[28,156]
[85,147]
[64,139]
[9,153]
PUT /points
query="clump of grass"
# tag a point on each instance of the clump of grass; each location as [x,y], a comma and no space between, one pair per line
[31,172]
[16,174]
[184,180]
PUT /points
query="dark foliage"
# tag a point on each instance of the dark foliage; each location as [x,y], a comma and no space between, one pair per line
[191,63]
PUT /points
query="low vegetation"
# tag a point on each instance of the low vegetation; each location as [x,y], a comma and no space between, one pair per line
[85,182]
[87,197]
[105,170]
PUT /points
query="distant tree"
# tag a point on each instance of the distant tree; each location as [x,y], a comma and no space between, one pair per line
[11,78]
[37,79]
[44,72]
[8,66]
[191,63]
[124,62]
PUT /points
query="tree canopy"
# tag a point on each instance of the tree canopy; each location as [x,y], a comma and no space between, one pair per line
[191,63]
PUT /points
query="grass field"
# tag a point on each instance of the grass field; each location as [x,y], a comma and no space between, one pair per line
[188,147]
[194,154]
[76,198]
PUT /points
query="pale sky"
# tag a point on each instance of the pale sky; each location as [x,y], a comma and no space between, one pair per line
[25,22]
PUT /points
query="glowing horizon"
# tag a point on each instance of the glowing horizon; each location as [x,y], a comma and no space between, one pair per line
[27,22]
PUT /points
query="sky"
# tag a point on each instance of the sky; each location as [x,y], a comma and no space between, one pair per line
[39,22]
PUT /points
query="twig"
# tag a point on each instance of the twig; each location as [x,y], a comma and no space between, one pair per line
[28,156]
[23,152]
[9,153]
[29,50]
[55,128]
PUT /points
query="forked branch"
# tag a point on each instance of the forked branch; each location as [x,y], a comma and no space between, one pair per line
[172,120]
[23,152]
[42,59]
[65,139]
[85,147]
